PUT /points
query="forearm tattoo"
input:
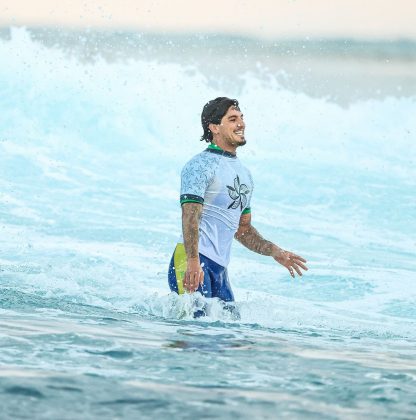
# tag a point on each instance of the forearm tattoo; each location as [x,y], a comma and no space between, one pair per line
[191,213]
[252,240]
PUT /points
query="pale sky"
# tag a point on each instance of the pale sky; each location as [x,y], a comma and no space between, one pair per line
[261,18]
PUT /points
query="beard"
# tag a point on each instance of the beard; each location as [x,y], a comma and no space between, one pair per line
[236,143]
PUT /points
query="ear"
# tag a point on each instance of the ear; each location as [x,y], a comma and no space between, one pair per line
[213,128]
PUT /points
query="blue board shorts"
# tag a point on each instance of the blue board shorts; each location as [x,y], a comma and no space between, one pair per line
[216,283]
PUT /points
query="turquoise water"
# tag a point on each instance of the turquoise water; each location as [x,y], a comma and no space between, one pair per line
[90,156]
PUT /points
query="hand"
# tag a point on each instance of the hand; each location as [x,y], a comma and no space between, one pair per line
[194,275]
[289,260]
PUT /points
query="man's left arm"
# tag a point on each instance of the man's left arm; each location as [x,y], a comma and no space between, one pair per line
[251,239]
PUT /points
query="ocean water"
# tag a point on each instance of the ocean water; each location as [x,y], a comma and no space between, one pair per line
[91,148]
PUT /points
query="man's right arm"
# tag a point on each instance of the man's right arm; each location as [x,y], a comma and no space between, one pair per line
[191,214]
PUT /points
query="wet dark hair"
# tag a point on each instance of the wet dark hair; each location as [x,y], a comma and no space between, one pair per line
[213,112]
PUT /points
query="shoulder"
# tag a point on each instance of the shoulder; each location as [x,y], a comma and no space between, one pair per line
[201,163]
[197,174]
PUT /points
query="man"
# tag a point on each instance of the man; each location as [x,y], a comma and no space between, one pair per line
[216,191]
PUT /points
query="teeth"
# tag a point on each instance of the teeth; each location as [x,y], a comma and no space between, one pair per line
[240,133]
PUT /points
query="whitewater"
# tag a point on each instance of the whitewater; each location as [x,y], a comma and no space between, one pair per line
[90,157]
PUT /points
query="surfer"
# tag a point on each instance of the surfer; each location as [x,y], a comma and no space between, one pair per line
[216,191]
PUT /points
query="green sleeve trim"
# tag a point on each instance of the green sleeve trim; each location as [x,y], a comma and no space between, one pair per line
[190,201]
[246,211]
[191,198]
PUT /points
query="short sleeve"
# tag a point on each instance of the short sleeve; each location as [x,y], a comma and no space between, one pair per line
[196,176]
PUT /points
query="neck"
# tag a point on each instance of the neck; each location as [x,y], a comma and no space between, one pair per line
[224,146]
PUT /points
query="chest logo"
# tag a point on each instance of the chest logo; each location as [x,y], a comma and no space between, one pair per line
[238,194]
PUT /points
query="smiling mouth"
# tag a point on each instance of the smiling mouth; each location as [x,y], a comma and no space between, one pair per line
[239,133]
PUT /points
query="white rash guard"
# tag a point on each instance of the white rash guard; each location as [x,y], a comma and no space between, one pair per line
[219,181]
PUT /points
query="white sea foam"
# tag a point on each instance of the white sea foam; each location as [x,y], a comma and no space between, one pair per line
[90,156]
